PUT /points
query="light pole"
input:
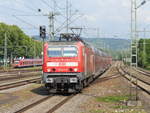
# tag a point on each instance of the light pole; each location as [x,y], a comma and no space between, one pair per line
[134,38]
[134,35]
[5,52]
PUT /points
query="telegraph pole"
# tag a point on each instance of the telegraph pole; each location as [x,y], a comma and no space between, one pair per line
[51,17]
[134,33]
[51,25]
[5,52]
[67,16]
[134,37]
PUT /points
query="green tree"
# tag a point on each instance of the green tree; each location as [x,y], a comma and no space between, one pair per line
[144,55]
[18,43]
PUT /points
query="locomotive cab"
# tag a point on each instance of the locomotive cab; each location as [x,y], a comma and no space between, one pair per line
[62,66]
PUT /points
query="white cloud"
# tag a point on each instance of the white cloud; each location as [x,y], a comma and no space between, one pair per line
[126,3]
[90,18]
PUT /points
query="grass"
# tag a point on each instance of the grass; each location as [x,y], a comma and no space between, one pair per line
[147,68]
[112,98]
[120,107]
[97,111]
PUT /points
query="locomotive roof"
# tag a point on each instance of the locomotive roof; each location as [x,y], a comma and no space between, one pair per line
[66,38]
[62,43]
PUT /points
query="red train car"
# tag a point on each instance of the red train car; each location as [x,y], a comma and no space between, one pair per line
[18,63]
[70,65]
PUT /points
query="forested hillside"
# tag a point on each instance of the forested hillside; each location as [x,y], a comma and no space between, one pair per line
[18,44]
[117,48]
[114,44]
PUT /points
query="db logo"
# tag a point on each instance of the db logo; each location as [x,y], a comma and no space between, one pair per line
[62,63]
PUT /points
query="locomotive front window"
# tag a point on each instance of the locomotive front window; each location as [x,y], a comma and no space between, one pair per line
[54,52]
[69,52]
[62,51]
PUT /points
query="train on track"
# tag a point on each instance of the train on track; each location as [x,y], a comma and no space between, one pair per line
[70,64]
[19,63]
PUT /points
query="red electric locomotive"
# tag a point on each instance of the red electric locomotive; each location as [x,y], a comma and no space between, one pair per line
[70,65]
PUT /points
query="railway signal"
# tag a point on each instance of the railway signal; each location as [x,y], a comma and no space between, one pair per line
[43,32]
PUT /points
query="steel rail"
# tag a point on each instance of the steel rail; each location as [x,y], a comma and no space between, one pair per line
[142,71]
[128,76]
[19,75]
[135,77]
[33,104]
[21,69]
[57,106]
[20,83]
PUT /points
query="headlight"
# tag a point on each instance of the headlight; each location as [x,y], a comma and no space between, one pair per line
[48,70]
[73,80]
[49,80]
[75,69]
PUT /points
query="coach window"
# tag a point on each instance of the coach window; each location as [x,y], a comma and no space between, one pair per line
[16,62]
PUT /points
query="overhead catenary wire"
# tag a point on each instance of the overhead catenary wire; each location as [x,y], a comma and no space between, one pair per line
[35,27]
[28,7]
[69,19]
[72,21]
[47,4]
[18,10]
[57,6]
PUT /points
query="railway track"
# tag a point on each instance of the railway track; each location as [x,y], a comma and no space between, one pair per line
[14,72]
[21,69]
[11,72]
[19,75]
[142,71]
[41,101]
[33,104]
[141,83]
[19,83]
[57,106]
[103,79]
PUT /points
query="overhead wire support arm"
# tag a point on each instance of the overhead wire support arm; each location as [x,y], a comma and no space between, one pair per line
[142,3]
[67,16]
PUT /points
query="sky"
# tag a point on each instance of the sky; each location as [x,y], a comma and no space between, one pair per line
[111,17]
